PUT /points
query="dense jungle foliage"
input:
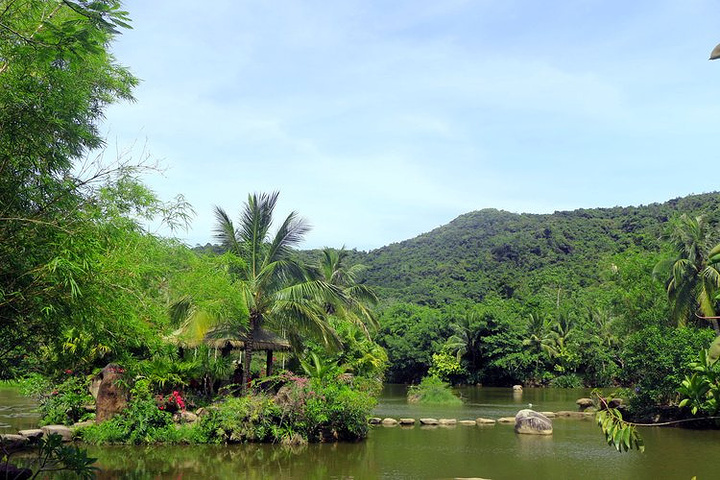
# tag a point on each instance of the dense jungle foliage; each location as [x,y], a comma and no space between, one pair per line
[620,296]
[566,299]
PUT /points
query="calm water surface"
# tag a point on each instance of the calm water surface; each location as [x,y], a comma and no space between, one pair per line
[576,450]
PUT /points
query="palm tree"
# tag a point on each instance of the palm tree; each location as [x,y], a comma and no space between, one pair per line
[278,292]
[357,297]
[692,277]
[466,338]
[557,341]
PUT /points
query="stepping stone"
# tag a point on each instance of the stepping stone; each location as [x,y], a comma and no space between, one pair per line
[374,420]
[61,430]
[32,434]
[469,423]
[389,422]
[569,414]
[485,421]
[428,421]
[447,421]
[12,441]
[506,420]
[407,421]
[549,414]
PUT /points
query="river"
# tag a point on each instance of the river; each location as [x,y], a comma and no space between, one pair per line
[576,450]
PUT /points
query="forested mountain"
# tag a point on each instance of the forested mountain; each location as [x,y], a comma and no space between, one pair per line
[515,255]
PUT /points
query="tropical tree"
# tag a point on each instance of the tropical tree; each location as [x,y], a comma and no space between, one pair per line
[357,298]
[538,332]
[558,342]
[278,291]
[692,278]
[57,77]
[466,338]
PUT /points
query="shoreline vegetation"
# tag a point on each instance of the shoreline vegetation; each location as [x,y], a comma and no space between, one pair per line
[626,297]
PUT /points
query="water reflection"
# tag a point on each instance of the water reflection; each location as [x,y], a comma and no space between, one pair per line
[575,450]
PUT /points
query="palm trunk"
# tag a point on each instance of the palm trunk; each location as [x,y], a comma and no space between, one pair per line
[269,363]
[249,344]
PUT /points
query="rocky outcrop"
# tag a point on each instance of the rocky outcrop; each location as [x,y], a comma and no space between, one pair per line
[111,396]
[184,416]
[530,422]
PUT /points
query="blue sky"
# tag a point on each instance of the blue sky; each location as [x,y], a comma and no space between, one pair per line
[378,121]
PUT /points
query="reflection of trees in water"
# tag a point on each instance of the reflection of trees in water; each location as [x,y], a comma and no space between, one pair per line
[250,461]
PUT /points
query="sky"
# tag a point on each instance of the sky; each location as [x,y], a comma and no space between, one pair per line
[381,120]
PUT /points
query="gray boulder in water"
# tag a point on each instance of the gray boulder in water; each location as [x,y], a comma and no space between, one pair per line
[531,422]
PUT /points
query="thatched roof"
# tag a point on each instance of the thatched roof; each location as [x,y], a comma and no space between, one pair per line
[262,340]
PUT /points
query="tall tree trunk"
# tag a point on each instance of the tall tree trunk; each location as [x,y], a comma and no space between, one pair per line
[249,345]
[269,363]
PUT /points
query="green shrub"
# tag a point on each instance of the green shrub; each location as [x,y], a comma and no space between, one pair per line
[142,422]
[301,410]
[432,390]
[655,363]
[62,403]
[571,380]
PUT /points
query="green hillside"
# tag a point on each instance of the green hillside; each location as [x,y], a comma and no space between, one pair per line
[515,255]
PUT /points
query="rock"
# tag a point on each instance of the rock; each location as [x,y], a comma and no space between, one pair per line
[549,414]
[468,423]
[389,422]
[517,388]
[428,421]
[530,422]
[407,421]
[32,434]
[371,420]
[111,395]
[584,403]
[184,417]
[447,421]
[485,421]
[62,430]
[83,424]
[506,420]
[201,412]
[569,414]
[8,470]
[10,441]
[615,403]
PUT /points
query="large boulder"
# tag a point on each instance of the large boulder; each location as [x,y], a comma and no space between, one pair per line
[111,396]
[531,422]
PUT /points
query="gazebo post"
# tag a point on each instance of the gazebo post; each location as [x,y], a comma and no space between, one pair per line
[269,363]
